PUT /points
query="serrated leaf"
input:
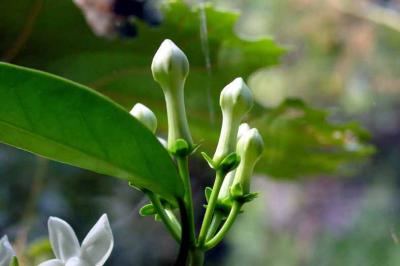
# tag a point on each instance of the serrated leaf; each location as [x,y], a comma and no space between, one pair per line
[121,70]
[70,123]
[301,139]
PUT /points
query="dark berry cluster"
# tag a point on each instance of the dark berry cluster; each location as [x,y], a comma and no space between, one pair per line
[130,9]
[111,18]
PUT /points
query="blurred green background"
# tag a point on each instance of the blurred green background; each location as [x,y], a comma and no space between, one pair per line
[324,74]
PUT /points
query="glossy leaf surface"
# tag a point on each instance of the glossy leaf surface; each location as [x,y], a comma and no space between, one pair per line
[70,123]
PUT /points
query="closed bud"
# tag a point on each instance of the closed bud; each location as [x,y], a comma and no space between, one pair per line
[228,180]
[249,147]
[170,68]
[145,116]
[235,100]
[163,142]
[243,128]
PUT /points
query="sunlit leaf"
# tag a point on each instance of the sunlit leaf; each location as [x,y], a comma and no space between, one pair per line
[70,123]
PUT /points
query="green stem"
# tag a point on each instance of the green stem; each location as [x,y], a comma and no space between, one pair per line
[196,257]
[173,219]
[185,239]
[172,226]
[210,208]
[184,173]
[215,223]
[225,228]
[178,127]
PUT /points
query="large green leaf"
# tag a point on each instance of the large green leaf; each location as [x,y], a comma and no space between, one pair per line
[67,122]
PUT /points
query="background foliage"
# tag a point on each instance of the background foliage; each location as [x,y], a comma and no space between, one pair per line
[337,57]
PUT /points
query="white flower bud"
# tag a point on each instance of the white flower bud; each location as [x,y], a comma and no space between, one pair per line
[249,147]
[243,128]
[235,100]
[163,142]
[228,180]
[170,68]
[236,97]
[145,116]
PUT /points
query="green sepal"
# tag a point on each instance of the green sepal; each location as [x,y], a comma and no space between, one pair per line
[249,197]
[157,218]
[14,261]
[147,210]
[224,206]
[229,163]
[209,160]
[195,148]
[207,193]
[180,148]
[237,194]
[236,191]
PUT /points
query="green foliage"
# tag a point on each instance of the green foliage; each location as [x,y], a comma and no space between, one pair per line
[300,139]
[72,124]
[121,70]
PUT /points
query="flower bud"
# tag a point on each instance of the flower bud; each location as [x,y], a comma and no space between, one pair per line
[235,100]
[170,68]
[163,142]
[228,180]
[249,147]
[145,116]
[243,128]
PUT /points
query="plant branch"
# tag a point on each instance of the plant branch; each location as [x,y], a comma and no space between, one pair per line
[172,226]
[225,228]
[184,173]
[185,238]
[210,208]
[215,224]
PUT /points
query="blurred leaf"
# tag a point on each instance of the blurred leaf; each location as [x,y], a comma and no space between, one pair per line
[39,250]
[300,139]
[121,70]
[67,122]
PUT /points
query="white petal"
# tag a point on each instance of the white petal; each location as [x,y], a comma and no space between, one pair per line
[6,252]
[97,245]
[52,263]
[63,239]
[77,262]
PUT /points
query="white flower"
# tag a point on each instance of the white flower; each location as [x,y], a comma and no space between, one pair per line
[6,252]
[95,248]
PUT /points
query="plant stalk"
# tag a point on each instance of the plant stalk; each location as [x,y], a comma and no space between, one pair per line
[210,208]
